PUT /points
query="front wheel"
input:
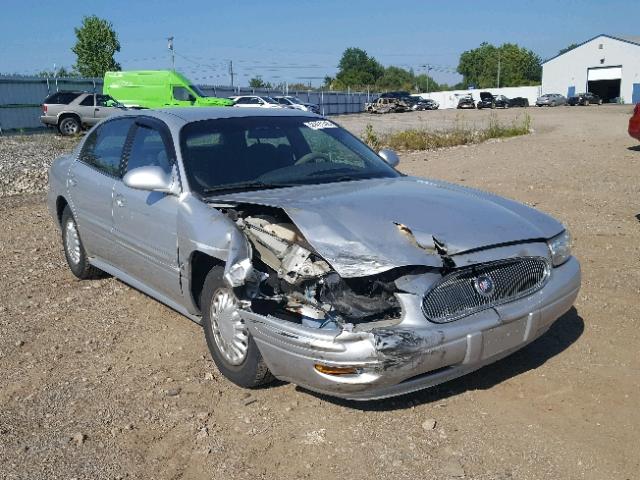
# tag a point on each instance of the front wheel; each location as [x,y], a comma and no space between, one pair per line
[74,250]
[232,348]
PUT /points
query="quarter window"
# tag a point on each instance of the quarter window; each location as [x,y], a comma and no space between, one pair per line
[148,149]
[103,147]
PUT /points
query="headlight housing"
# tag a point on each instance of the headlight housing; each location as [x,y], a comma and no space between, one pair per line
[560,248]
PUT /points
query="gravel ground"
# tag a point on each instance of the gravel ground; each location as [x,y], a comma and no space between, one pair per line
[101,382]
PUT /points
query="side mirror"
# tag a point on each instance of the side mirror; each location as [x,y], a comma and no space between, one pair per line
[151,178]
[389,156]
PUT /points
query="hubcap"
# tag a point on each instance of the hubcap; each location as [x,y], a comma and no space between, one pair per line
[70,127]
[72,242]
[229,331]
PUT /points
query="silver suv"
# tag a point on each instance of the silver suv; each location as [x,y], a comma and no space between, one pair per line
[70,112]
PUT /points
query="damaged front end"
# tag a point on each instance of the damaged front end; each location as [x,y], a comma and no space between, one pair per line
[379,335]
[286,278]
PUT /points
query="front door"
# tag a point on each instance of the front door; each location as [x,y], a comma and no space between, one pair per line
[145,222]
[90,185]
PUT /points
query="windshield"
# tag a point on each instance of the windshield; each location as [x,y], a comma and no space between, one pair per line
[269,100]
[233,154]
[294,100]
[198,91]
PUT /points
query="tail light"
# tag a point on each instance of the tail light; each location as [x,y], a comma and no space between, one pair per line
[44,109]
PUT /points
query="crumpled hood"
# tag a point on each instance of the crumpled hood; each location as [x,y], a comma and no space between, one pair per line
[369,226]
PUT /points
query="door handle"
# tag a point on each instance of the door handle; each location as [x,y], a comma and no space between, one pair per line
[71,182]
[120,201]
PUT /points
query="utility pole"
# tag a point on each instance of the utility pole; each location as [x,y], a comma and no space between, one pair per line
[498,68]
[173,55]
[231,74]
[428,67]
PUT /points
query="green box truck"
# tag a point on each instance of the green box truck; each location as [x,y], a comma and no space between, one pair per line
[157,89]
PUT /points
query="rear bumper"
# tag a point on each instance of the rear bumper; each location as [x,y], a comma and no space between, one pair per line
[415,354]
[47,120]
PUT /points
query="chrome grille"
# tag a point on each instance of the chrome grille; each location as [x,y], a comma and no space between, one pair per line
[459,294]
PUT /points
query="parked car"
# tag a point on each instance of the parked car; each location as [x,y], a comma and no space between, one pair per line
[584,99]
[281,234]
[157,89]
[634,123]
[388,105]
[70,112]
[519,102]
[487,100]
[259,101]
[466,102]
[295,102]
[424,104]
[551,100]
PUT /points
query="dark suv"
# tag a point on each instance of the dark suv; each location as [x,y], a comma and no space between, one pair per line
[584,99]
[70,112]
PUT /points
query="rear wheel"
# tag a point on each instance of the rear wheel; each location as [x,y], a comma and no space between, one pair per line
[69,126]
[232,348]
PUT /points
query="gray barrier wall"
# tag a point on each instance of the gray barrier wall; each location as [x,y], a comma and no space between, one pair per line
[21,97]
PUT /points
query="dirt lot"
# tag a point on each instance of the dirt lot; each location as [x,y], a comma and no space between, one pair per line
[101,382]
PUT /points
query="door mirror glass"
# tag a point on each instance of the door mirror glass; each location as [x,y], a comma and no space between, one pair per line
[389,156]
[150,178]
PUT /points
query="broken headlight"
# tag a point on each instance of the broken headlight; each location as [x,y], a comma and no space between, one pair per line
[560,248]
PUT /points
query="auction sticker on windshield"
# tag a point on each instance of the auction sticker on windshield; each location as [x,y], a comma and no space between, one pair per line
[320,124]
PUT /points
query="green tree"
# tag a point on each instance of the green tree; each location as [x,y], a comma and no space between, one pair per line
[396,78]
[516,66]
[258,82]
[357,69]
[96,44]
[567,48]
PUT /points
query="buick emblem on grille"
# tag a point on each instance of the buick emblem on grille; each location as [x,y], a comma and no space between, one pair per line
[484,285]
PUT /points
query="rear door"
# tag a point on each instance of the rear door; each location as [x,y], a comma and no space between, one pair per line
[145,223]
[90,185]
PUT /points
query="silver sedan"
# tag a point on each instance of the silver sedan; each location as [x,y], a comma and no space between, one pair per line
[306,256]
[551,100]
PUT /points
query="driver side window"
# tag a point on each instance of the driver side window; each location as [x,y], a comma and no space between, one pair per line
[148,149]
[182,94]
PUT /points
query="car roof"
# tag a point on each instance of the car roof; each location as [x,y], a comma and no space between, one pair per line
[196,114]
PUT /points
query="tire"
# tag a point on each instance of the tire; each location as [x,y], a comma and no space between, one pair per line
[74,251]
[220,320]
[69,126]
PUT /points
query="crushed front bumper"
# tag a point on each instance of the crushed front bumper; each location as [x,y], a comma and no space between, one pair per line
[414,354]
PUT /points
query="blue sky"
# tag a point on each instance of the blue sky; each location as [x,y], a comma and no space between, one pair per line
[301,40]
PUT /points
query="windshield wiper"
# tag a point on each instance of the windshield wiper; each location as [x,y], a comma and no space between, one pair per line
[245,186]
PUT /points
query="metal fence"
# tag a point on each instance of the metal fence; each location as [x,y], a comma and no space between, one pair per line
[21,97]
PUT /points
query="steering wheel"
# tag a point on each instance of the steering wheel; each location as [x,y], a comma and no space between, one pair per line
[312,157]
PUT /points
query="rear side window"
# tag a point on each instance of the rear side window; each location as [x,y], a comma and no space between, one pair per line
[103,147]
[61,98]
[87,101]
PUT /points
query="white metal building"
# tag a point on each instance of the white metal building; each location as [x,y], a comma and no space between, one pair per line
[605,65]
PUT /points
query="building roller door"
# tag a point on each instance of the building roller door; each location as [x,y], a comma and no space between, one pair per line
[605,82]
